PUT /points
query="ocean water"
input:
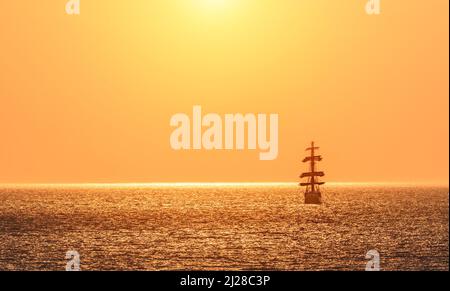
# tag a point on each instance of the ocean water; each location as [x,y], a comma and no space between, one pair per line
[223,227]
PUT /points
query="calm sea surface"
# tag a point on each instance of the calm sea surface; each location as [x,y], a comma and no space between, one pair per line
[223,227]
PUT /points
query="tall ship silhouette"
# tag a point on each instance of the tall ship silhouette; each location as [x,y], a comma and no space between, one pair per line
[312,193]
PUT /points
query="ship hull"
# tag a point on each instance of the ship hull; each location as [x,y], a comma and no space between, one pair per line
[313,198]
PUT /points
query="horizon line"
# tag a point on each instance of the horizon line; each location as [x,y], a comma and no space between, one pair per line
[210,184]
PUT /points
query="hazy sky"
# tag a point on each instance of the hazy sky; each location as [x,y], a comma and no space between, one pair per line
[89,98]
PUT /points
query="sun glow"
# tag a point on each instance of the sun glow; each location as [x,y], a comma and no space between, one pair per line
[214,6]
[214,3]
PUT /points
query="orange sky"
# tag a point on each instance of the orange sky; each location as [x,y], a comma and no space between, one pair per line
[89,98]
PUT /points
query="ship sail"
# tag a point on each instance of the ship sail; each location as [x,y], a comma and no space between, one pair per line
[312,174]
[315,158]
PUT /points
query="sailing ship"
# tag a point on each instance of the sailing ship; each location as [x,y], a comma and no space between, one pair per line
[312,193]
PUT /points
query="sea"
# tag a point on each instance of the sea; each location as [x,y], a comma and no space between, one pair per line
[245,226]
